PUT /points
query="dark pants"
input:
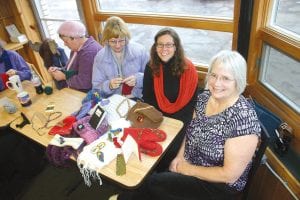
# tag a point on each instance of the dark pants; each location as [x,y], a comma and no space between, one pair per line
[171,152]
[174,186]
[20,160]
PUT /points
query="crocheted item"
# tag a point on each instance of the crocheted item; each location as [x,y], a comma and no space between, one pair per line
[89,160]
[60,156]
[61,148]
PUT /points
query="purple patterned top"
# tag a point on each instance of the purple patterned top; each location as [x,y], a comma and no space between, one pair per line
[206,136]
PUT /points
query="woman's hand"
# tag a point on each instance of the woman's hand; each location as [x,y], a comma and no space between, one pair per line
[52,69]
[176,162]
[115,83]
[58,75]
[130,81]
[11,72]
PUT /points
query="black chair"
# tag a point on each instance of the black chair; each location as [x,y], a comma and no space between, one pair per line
[264,141]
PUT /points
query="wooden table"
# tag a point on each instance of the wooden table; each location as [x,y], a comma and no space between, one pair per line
[68,101]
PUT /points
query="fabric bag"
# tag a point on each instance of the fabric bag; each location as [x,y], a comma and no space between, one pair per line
[83,129]
[143,115]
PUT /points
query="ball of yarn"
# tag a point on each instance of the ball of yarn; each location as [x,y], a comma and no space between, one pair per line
[10,108]
[48,90]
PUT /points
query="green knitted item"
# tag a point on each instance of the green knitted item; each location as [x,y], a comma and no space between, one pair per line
[120,165]
[70,73]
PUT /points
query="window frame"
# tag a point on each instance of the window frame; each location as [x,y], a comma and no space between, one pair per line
[94,18]
[262,33]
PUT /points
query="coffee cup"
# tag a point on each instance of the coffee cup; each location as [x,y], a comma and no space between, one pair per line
[15,83]
[24,98]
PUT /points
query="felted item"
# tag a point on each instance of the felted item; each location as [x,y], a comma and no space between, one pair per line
[63,127]
[147,139]
[83,129]
[143,115]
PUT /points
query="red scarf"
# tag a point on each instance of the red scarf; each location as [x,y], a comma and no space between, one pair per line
[188,85]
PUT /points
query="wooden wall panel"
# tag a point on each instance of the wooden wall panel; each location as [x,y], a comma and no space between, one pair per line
[267,186]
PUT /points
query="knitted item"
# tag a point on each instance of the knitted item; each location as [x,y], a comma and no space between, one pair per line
[120,165]
[60,156]
[63,127]
[83,129]
[188,86]
[70,73]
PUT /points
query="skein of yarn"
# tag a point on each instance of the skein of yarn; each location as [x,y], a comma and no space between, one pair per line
[10,108]
[48,90]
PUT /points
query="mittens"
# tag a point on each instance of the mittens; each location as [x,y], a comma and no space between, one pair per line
[147,139]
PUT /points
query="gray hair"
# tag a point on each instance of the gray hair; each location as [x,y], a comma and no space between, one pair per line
[235,62]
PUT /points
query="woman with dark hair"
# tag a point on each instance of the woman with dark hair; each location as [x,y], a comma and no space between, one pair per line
[170,84]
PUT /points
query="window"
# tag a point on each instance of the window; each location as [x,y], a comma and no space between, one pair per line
[280,74]
[199,45]
[279,68]
[205,27]
[285,16]
[51,13]
[220,8]
[274,74]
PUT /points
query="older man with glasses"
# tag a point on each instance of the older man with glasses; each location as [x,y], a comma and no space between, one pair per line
[119,66]
[78,71]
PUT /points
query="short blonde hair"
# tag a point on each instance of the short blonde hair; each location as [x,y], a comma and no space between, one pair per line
[115,27]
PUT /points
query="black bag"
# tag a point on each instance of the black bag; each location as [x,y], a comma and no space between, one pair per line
[280,132]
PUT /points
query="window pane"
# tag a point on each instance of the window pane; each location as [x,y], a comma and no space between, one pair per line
[286,14]
[220,8]
[280,73]
[57,9]
[199,45]
[51,13]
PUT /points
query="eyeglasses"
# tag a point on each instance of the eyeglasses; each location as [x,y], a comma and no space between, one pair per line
[167,45]
[115,42]
[39,121]
[215,77]
[64,37]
